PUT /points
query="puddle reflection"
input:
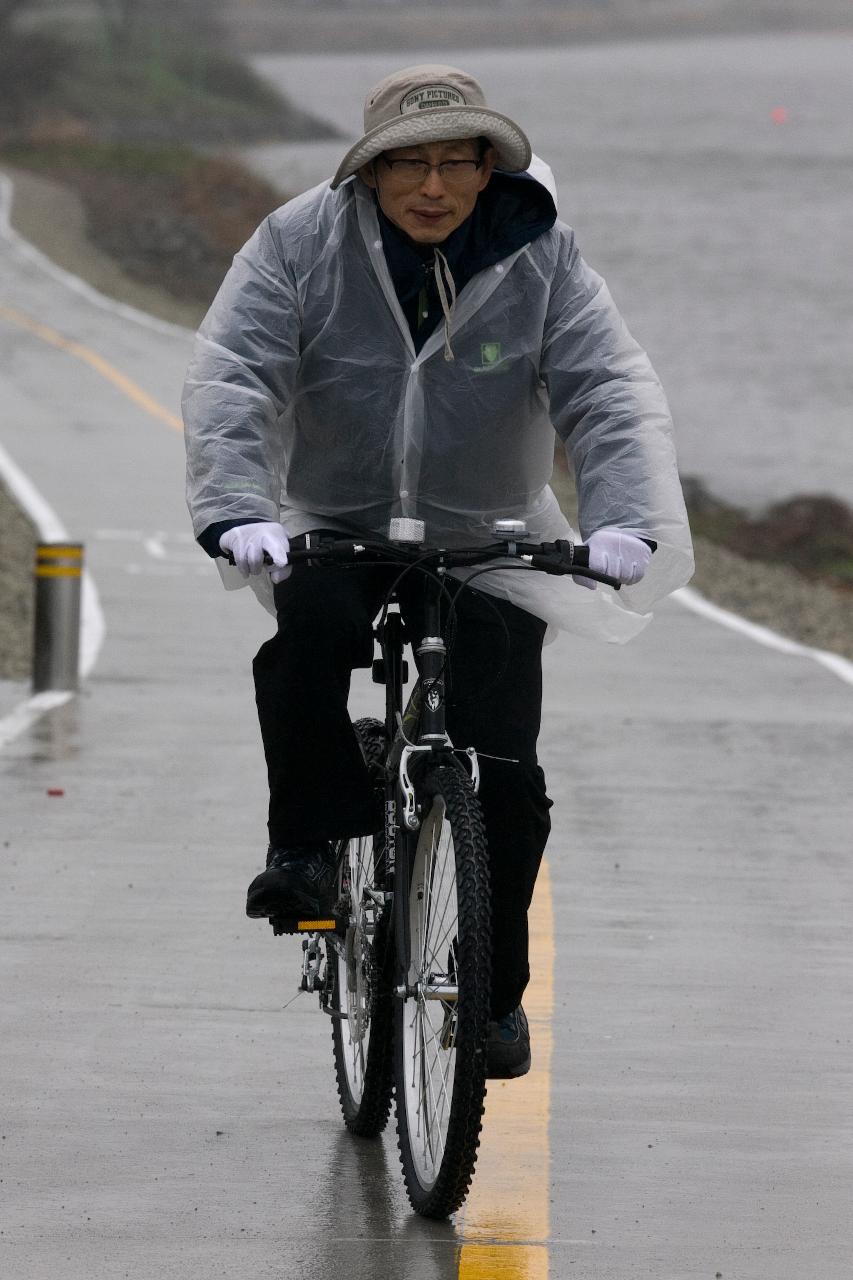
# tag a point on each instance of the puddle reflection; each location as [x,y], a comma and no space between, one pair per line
[369,1229]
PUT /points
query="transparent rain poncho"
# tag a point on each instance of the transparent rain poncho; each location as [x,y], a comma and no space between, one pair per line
[306,402]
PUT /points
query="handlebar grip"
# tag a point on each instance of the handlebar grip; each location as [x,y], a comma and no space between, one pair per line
[229,556]
[572,558]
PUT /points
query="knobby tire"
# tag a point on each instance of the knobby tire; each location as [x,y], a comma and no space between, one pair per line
[437,1190]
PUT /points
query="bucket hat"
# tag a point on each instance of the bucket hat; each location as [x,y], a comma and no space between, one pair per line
[432,103]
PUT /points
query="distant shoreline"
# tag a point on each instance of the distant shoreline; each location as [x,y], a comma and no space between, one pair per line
[261,26]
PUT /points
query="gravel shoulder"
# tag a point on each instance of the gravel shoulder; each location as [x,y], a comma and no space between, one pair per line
[51,216]
[813,613]
[17,551]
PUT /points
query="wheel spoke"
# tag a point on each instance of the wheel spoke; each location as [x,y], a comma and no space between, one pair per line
[434,920]
[355,1030]
[433,1131]
[450,882]
[362,1037]
[434,1038]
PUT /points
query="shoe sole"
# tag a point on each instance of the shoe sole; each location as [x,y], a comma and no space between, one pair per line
[510,1073]
[266,906]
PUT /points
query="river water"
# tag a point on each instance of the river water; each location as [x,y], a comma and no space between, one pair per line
[711,182]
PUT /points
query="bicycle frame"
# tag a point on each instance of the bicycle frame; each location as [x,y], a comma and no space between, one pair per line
[426,709]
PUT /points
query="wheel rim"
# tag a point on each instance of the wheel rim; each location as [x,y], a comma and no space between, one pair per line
[356,967]
[430,1010]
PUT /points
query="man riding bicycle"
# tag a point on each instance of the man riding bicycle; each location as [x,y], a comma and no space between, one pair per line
[403,341]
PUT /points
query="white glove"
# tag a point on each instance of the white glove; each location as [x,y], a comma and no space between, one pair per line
[618,554]
[248,543]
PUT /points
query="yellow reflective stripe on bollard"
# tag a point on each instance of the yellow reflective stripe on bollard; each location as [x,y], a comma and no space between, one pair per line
[48,554]
[54,551]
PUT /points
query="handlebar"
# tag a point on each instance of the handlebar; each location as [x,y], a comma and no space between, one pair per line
[558,558]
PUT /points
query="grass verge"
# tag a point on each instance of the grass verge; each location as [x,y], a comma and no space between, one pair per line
[65,81]
[114,107]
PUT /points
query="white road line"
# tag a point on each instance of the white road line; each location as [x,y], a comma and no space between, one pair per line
[691,599]
[92,626]
[30,253]
[137,535]
[158,570]
[27,496]
[154,546]
[27,713]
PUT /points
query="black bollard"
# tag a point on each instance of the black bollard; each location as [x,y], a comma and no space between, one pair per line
[56,648]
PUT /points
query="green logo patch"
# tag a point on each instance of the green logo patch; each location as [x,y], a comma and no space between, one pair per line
[490,354]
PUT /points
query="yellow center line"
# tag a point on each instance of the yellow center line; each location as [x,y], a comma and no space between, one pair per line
[506,1221]
[101,366]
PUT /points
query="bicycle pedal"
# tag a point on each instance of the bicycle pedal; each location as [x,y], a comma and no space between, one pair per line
[294,924]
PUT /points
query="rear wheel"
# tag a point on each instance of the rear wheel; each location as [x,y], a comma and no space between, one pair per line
[442,1022]
[360,988]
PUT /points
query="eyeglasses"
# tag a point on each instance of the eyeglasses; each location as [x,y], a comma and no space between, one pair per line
[454,173]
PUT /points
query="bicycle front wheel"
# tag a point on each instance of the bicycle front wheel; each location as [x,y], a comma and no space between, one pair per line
[442,1020]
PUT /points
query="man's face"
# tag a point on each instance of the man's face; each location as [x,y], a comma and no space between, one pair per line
[430,206]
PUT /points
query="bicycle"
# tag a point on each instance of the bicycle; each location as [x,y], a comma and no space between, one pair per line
[402,966]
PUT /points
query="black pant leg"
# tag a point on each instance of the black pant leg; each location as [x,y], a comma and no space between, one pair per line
[319,787]
[495,705]
[515,808]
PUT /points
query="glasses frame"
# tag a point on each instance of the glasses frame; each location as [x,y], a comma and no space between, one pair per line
[458,180]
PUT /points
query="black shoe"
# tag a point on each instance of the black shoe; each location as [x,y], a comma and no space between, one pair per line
[508,1047]
[299,881]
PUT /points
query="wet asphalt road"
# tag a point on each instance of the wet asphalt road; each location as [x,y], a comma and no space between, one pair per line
[164,1115]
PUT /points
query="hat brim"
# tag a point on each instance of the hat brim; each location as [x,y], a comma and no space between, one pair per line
[444,124]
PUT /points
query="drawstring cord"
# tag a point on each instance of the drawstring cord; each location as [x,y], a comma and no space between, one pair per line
[446,295]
